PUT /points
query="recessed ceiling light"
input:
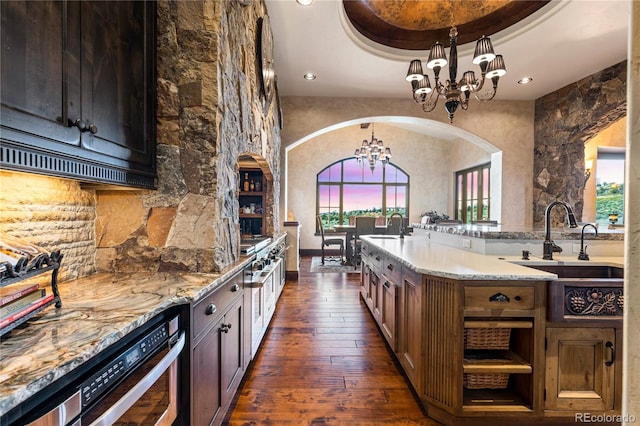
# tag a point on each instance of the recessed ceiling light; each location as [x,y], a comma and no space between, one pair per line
[309,76]
[304,2]
[525,80]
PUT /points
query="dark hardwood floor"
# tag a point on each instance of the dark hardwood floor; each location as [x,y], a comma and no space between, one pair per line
[323,361]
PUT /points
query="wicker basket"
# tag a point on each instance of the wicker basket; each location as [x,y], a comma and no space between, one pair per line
[487,338]
[485,381]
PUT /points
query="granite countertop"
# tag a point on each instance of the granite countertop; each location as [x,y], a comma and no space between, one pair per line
[96,312]
[427,257]
[502,232]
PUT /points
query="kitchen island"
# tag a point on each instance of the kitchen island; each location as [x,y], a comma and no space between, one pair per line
[469,331]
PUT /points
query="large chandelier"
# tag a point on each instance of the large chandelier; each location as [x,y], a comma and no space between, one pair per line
[456,93]
[372,152]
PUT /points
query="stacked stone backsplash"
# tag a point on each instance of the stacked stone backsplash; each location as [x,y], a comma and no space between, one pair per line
[209,113]
[54,214]
[564,121]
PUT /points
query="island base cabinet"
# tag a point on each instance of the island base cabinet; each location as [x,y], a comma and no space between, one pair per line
[580,370]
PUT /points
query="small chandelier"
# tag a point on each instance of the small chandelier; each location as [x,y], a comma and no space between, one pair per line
[456,93]
[371,152]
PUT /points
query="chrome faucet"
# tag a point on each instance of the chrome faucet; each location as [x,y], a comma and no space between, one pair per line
[549,247]
[402,229]
[583,249]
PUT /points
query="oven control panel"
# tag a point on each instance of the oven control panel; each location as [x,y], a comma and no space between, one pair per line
[111,373]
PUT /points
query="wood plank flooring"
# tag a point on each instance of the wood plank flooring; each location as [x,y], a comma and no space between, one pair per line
[323,361]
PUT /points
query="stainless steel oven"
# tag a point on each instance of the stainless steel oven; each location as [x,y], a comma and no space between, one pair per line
[137,385]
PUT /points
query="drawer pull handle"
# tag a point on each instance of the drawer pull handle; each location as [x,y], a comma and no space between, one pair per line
[235,287]
[225,328]
[387,284]
[378,258]
[499,297]
[518,298]
[613,354]
[390,267]
[211,309]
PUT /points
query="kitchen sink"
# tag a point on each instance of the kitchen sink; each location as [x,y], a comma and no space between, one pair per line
[582,271]
[585,293]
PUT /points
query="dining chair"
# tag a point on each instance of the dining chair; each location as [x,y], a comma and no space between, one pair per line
[326,242]
[365,225]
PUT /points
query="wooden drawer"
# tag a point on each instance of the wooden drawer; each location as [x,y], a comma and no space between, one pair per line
[210,307]
[375,257]
[392,269]
[499,297]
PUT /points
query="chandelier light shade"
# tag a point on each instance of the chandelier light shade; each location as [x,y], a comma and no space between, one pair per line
[456,93]
[372,152]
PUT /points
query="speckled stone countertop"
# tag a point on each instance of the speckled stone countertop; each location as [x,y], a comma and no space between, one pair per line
[500,232]
[96,312]
[427,257]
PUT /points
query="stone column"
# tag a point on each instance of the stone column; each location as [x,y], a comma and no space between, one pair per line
[631,342]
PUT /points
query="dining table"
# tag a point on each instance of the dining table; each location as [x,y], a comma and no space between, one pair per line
[350,232]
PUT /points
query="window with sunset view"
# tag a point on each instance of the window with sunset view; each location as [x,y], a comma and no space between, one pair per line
[345,189]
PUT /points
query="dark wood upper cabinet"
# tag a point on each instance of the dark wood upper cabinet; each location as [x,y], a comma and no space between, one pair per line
[78,90]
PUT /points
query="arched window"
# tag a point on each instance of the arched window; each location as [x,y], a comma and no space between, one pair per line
[346,189]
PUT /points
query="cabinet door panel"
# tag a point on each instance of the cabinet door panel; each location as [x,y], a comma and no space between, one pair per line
[205,395]
[388,312]
[410,317]
[37,94]
[231,357]
[577,377]
[115,78]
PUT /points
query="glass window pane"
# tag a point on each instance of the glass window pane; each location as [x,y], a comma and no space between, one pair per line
[362,200]
[609,188]
[401,177]
[373,177]
[331,173]
[352,171]
[474,187]
[396,200]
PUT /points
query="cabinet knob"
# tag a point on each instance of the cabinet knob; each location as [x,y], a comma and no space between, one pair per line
[390,267]
[225,328]
[83,126]
[235,287]
[211,309]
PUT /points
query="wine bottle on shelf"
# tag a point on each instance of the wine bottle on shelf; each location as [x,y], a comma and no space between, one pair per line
[258,185]
[245,185]
[252,186]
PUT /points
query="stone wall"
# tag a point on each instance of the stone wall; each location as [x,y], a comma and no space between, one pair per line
[209,112]
[564,121]
[52,213]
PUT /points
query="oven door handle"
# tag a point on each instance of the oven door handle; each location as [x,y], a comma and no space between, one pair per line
[129,399]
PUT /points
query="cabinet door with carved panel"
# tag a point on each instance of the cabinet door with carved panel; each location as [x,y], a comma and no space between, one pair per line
[580,369]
